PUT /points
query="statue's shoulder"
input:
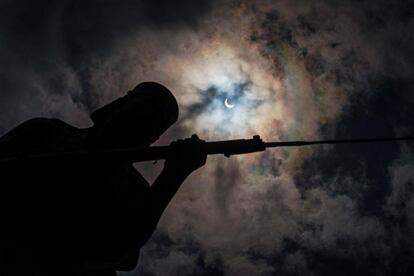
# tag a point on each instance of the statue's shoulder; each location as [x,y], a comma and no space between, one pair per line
[36,126]
[36,135]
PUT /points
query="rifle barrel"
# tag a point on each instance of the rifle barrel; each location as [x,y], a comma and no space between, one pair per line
[343,141]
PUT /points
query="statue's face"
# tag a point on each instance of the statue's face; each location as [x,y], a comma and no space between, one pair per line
[138,119]
[134,124]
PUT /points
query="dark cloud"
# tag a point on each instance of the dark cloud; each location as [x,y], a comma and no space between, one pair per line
[213,94]
[54,49]
[91,28]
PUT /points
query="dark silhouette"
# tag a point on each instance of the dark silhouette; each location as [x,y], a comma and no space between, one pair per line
[89,213]
[88,216]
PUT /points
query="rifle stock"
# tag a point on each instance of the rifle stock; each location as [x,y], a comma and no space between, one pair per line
[226,147]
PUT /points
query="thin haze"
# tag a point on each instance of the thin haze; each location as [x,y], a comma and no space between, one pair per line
[293,70]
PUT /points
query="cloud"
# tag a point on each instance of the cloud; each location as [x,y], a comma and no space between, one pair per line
[301,70]
[304,221]
[54,53]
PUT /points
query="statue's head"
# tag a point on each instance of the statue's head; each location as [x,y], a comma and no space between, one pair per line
[137,119]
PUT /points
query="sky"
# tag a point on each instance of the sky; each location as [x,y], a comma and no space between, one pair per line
[294,70]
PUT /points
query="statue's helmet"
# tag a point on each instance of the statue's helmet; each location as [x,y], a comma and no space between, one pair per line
[138,118]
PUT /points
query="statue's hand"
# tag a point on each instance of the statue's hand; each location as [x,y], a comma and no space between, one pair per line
[186,156]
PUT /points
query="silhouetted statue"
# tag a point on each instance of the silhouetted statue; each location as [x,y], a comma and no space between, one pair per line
[81,217]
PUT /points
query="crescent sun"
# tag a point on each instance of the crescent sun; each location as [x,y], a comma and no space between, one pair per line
[226,103]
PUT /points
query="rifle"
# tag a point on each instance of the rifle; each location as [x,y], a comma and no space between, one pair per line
[227,148]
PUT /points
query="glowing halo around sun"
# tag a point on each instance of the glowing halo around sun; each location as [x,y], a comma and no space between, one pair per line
[228,94]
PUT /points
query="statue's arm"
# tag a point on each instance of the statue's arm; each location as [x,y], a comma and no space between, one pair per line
[188,155]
